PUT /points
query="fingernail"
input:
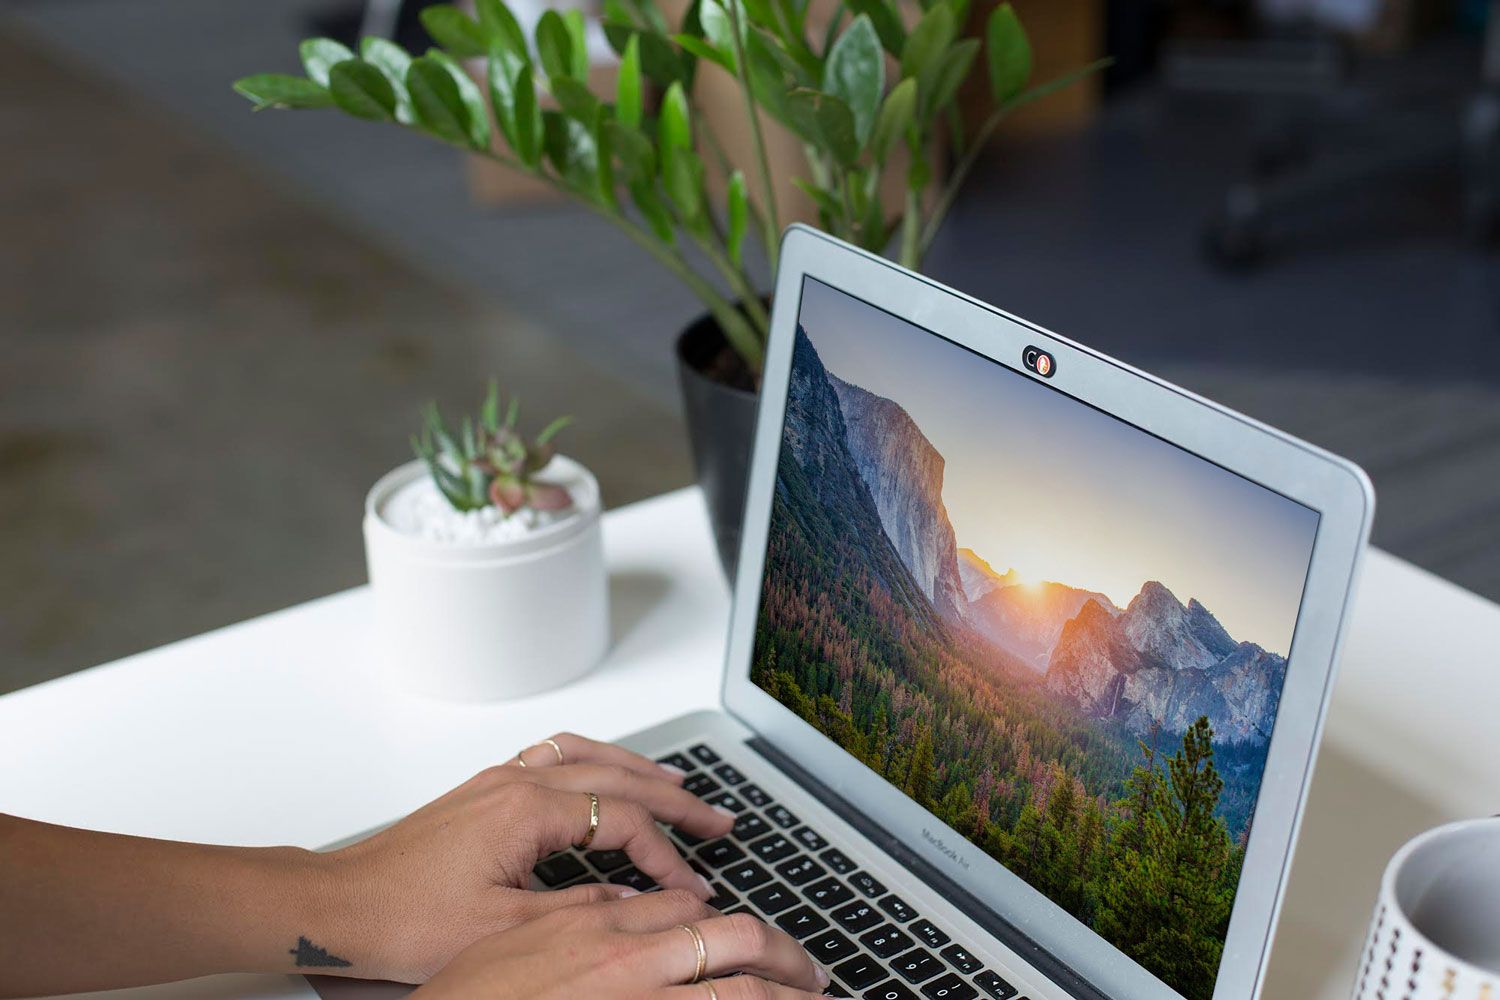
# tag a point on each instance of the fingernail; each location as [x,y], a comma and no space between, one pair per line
[821,973]
[724,811]
[675,772]
[627,892]
[708,890]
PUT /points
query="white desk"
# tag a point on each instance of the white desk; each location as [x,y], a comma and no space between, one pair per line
[279,730]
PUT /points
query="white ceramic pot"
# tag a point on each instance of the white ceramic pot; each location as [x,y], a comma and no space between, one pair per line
[1436,930]
[491,620]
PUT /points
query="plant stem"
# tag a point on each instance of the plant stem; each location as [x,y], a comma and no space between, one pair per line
[981,139]
[911,221]
[770,220]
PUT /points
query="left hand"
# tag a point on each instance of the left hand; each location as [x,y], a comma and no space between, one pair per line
[414,895]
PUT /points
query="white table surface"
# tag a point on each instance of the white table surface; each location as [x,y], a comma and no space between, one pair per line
[281,730]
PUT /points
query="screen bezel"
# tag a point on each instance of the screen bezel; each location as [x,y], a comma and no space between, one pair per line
[1335,488]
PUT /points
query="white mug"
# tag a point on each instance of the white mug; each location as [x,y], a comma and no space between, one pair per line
[1436,929]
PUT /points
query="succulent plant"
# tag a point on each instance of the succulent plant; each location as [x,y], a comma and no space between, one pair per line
[489,461]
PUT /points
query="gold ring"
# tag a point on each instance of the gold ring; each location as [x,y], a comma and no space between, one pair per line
[520,760]
[713,994]
[588,838]
[697,937]
[557,749]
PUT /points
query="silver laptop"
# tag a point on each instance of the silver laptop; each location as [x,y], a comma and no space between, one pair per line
[1028,660]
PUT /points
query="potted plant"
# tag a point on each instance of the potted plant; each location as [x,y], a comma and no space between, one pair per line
[486,560]
[871,94]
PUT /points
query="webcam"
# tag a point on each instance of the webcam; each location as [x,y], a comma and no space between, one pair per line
[1037,360]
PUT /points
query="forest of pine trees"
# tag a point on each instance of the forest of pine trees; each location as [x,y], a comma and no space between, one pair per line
[1125,834]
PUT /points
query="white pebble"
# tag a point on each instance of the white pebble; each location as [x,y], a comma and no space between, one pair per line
[419,510]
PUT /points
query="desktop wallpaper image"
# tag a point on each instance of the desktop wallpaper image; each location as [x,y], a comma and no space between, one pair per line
[1065,638]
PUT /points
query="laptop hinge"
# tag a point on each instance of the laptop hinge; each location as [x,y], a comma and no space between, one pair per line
[1047,964]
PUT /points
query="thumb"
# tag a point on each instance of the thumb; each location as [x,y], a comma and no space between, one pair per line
[537,904]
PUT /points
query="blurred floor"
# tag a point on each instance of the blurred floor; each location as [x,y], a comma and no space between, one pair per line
[199,379]
[1375,333]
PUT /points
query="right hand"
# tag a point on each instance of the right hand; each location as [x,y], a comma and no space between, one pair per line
[632,949]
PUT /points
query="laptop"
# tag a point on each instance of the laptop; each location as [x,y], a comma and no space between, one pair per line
[1028,659]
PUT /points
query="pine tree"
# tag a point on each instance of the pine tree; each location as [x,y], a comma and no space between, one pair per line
[919,777]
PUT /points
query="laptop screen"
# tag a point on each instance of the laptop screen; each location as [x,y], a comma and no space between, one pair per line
[1063,636]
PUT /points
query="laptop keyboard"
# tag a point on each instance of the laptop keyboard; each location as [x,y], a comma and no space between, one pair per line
[875,945]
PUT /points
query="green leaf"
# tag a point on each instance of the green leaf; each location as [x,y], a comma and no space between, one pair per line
[501,27]
[718,29]
[628,86]
[578,48]
[895,118]
[1008,52]
[955,69]
[855,73]
[554,45]
[673,130]
[455,31]
[660,60]
[502,87]
[826,121]
[655,213]
[827,203]
[928,41]
[571,147]
[472,97]
[696,46]
[436,101]
[577,100]
[361,90]
[278,90]
[319,55]
[739,217]
[634,150]
[887,23]
[550,431]
[392,60]
[683,175]
[528,144]
[489,413]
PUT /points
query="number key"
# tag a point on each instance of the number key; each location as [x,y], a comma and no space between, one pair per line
[837,860]
[704,755]
[890,991]
[782,816]
[808,838]
[678,760]
[828,893]
[701,785]
[726,800]
[729,775]
[800,871]
[917,966]
[887,941]
[755,796]
[749,826]
[949,987]
[856,917]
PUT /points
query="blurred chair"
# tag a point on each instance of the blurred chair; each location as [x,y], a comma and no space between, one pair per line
[1332,121]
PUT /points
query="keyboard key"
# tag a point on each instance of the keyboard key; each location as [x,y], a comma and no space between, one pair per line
[890,991]
[917,966]
[828,893]
[701,785]
[635,878]
[746,875]
[681,761]
[993,984]
[773,848]
[860,971]
[835,990]
[949,987]
[897,908]
[690,839]
[726,800]
[608,861]
[928,934]
[866,883]
[704,755]
[720,853]
[723,898]
[800,870]
[749,826]
[774,898]
[808,838]
[830,946]
[559,868]
[729,775]
[960,959]
[782,816]
[755,796]
[857,916]
[887,941]
[836,860]
[801,922]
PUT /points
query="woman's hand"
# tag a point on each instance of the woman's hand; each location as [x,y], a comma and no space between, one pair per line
[416,894]
[633,949]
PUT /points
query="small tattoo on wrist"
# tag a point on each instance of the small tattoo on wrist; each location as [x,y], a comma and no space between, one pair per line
[310,955]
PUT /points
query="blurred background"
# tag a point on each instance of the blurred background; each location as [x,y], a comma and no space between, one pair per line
[217,328]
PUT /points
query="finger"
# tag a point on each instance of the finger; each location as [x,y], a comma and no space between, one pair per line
[667,802]
[653,911]
[737,988]
[736,943]
[575,749]
[563,820]
[535,904]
